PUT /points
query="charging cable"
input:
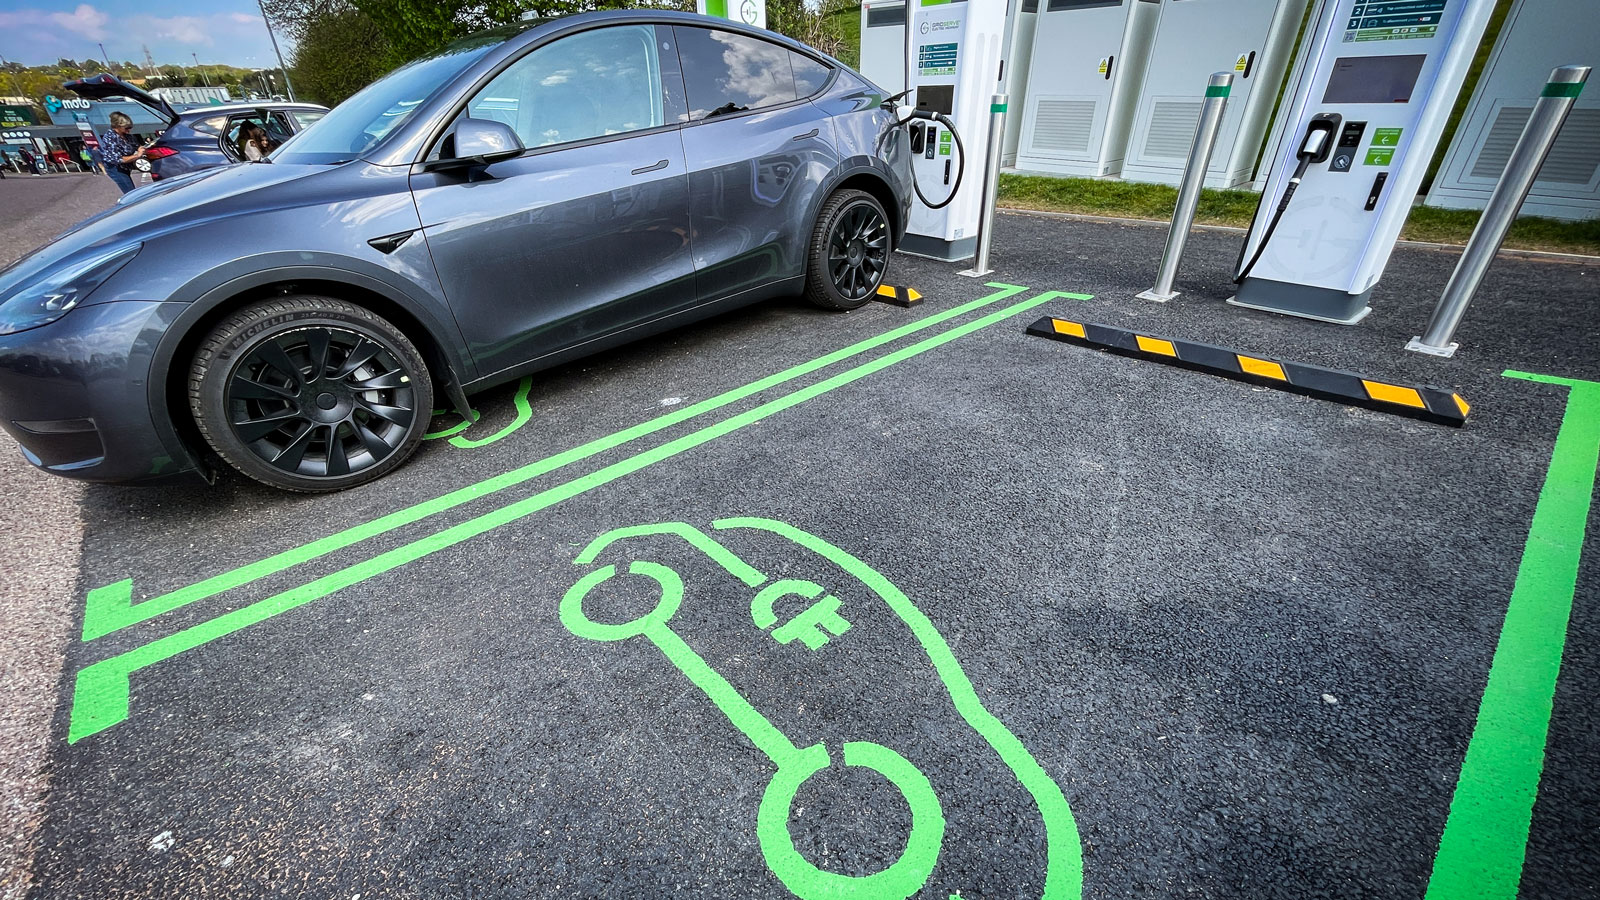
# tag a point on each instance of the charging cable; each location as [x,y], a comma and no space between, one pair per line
[1314,148]
[961,152]
[961,149]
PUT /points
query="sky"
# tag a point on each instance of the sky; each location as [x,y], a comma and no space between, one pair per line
[218,31]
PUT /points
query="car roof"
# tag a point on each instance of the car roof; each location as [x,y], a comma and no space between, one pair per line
[202,112]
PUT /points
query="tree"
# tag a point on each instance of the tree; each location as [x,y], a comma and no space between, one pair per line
[417,27]
[819,23]
[339,54]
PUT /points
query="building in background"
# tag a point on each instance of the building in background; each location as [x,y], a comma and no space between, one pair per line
[193,96]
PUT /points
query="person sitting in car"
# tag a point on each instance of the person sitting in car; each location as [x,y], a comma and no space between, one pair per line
[254,143]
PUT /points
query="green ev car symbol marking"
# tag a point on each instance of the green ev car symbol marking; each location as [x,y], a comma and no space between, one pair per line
[813,626]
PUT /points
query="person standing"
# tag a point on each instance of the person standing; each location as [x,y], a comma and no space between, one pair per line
[88,160]
[118,151]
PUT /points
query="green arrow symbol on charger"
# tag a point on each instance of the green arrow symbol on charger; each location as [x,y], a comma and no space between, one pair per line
[111,608]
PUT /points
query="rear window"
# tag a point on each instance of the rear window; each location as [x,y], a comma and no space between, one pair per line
[305,118]
[728,73]
[213,125]
[809,75]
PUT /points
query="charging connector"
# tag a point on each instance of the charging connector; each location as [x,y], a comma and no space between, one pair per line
[1315,148]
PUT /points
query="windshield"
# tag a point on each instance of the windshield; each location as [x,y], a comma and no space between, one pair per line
[361,123]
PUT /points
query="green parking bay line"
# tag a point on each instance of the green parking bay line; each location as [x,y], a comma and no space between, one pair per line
[1485,837]
[101,692]
[111,608]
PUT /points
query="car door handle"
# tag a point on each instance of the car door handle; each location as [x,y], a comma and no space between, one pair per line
[807,136]
[655,168]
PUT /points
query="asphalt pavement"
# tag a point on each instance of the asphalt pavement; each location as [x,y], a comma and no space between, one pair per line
[40,534]
[888,603]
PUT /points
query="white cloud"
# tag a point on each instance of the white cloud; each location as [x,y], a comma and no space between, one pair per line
[85,21]
[219,36]
[184,30]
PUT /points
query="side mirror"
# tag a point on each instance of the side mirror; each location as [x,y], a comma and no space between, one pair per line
[479,142]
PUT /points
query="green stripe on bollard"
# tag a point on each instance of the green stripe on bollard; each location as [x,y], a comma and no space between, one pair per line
[997,107]
[1218,90]
[1563,89]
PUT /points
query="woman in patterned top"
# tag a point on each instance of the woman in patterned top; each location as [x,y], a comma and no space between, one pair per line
[118,151]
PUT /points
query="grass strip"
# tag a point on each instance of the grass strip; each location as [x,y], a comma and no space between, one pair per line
[1132,200]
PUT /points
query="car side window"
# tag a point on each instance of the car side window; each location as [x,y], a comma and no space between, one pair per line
[591,84]
[214,125]
[305,118]
[728,73]
[234,136]
[809,75]
[277,127]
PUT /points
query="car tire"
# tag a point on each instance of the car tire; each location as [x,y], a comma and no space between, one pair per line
[849,251]
[273,390]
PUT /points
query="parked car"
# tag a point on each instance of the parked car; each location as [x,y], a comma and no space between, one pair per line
[213,136]
[206,137]
[527,196]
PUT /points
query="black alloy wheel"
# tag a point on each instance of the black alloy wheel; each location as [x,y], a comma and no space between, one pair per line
[849,251]
[326,398]
[858,251]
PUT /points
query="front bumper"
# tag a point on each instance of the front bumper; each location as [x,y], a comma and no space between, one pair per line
[77,395]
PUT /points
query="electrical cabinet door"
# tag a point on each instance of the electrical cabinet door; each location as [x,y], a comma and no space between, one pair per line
[1089,60]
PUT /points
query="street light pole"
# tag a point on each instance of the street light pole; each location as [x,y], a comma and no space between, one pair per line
[288,85]
[105,56]
[203,79]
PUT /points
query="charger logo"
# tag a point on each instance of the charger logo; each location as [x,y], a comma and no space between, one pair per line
[946,25]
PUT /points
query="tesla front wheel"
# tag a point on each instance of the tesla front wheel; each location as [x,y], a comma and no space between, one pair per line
[849,251]
[310,394]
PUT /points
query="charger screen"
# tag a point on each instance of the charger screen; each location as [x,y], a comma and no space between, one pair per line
[1373,79]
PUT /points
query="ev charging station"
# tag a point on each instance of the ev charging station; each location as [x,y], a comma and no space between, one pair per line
[750,12]
[1254,39]
[1086,74]
[1537,37]
[1374,87]
[956,52]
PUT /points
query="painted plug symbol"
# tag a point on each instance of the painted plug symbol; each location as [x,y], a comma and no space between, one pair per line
[815,625]
[811,626]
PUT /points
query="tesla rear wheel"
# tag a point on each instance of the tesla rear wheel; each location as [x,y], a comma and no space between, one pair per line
[310,394]
[849,251]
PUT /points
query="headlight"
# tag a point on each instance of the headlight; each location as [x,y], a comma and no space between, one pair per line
[54,295]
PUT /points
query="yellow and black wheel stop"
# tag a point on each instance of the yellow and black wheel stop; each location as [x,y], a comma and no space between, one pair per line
[897,296]
[1426,403]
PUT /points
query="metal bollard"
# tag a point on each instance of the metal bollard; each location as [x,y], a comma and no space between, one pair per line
[1194,178]
[1549,114]
[991,187]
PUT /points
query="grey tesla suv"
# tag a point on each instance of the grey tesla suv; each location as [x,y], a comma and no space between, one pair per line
[527,196]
